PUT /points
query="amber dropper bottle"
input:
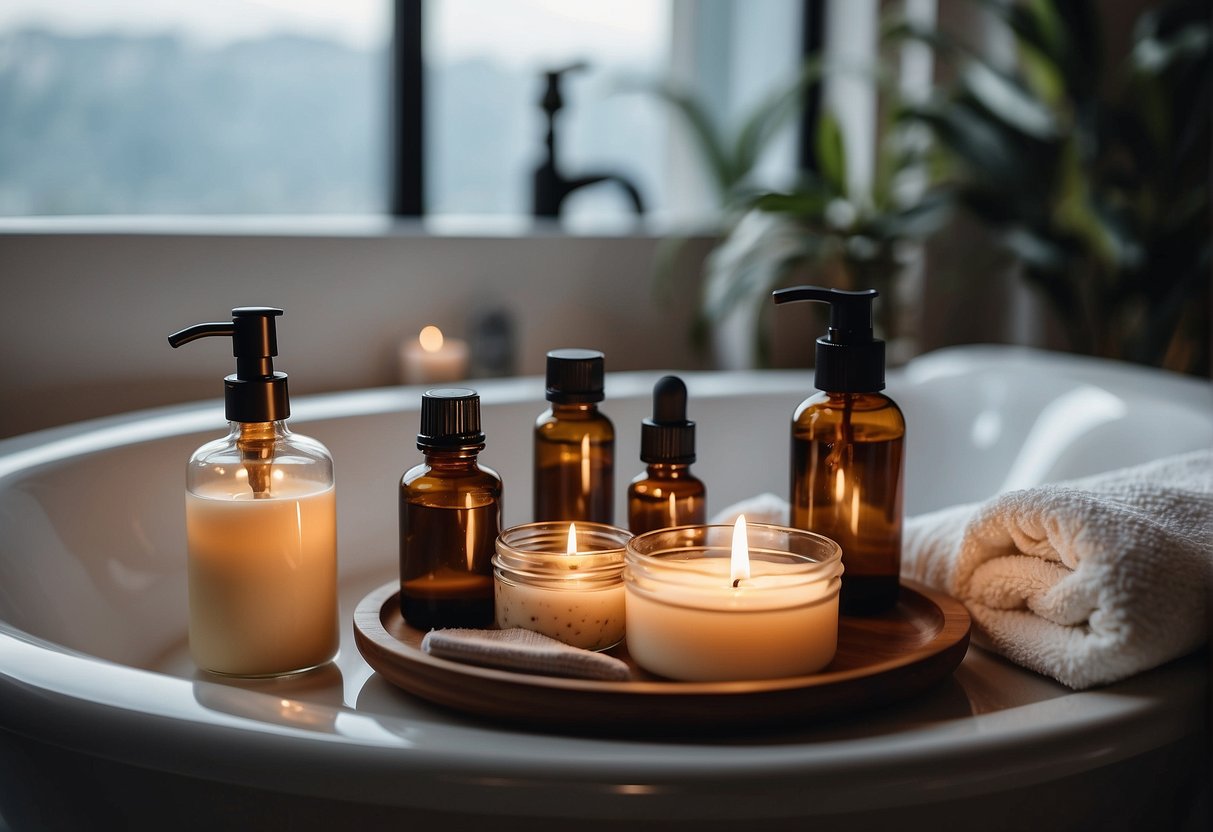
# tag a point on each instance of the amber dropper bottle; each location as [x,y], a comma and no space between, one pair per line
[574,442]
[667,493]
[450,514]
[847,452]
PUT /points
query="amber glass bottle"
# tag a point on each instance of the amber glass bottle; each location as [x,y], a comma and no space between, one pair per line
[847,453]
[574,443]
[450,515]
[667,493]
[847,460]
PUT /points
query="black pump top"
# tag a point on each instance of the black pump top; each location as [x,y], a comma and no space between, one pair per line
[254,393]
[575,376]
[668,437]
[849,358]
[450,418]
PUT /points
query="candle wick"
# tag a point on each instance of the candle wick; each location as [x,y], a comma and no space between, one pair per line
[736,582]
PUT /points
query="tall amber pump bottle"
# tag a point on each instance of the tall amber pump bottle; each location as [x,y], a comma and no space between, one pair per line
[847,452]
[574,442]
[450,515]
[667,493]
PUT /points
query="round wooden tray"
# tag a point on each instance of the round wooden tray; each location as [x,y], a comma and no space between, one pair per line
[880,659]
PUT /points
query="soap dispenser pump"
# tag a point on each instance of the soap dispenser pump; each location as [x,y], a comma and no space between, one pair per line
[667,493]
[848,452]
[260,521]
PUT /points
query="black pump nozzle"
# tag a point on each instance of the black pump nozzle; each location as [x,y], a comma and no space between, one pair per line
[254,393]
[669,436]
[849,358]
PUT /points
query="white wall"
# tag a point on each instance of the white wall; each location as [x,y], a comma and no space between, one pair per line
[84,316]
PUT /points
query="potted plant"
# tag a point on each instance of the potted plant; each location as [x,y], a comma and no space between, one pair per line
[1095,176]
[820,229]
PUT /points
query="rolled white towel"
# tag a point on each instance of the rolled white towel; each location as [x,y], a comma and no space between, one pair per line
[1088,581]
[522,650]
[765,508]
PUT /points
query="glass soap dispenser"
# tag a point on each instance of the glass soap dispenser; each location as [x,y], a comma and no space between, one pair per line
[450,515]
[574,442]
[847,452]
[261,521]
[667,493]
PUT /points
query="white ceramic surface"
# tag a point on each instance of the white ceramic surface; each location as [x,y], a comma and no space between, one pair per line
[97,690]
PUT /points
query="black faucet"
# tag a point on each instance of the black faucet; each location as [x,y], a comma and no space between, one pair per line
[551,188]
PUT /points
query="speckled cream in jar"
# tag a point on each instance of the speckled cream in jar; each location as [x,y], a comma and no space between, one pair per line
[573,595]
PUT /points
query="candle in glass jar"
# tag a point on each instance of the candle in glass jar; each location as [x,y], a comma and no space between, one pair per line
[706,604]
[562,580]
[432,358]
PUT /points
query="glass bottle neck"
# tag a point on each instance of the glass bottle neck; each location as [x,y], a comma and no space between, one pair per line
[574,409]
[460,457]
[669,470]
[258,431]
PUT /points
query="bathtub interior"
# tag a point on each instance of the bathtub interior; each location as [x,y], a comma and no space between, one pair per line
[92,550]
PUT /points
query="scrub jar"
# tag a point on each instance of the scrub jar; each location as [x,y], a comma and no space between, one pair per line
[689,619]
[567,586]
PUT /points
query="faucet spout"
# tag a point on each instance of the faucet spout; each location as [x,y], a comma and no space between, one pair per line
[594,179]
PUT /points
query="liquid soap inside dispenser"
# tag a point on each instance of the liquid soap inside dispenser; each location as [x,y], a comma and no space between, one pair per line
[260,521]
[847,467]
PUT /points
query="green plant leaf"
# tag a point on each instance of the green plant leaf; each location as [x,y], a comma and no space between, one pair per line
[831,154]
[1005,98]
[773,113]
[707,137]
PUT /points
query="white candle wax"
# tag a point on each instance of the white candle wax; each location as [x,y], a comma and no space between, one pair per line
[430,358]
[703,606]
[591,617]
[575,595]
[770,626]
[262,579]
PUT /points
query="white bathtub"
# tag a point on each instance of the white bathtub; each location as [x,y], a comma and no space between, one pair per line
[104,722]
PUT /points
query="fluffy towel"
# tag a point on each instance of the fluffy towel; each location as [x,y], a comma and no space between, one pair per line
[518,649]
[765,508]
[1088,581]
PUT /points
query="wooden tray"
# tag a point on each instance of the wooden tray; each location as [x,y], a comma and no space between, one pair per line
[880,659]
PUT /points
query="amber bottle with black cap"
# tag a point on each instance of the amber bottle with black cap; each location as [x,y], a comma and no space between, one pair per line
[848,452]
[575,442]
[667,493]
[450,515]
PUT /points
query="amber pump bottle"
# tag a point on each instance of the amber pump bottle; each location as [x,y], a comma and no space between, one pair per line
[847,452]
[574,442]
[667,493]
[450,514]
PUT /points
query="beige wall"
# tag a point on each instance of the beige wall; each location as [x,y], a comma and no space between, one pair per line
[84,316]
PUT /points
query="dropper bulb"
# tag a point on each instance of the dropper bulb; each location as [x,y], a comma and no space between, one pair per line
[670,401]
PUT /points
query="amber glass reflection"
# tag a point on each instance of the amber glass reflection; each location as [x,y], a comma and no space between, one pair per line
[665,495]
[450,515]
[574,464]
[847,465]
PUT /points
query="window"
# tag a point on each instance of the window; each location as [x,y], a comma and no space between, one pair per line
[284,106]
[228,106]
[485,64]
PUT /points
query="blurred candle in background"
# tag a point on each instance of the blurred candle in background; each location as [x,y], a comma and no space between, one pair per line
[432,358]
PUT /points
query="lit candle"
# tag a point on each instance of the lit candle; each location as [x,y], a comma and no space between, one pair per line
[711,603]
[564,581]
[431,358]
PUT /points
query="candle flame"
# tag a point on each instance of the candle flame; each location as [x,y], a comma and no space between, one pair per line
[572,546]
[740,563]
[430,338]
